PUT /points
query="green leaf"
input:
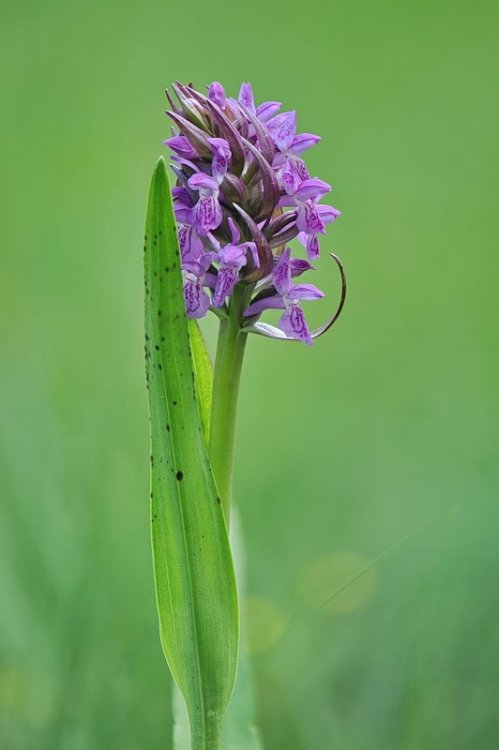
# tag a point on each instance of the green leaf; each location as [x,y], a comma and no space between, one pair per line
[194,575]
[203,371]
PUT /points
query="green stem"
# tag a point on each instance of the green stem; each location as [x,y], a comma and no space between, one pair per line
[208,735]
[226,377]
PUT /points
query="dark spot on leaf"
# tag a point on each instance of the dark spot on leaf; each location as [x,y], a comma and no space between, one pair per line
[167,427]
[157,347]
[218,500]
[180,475]
[174,403]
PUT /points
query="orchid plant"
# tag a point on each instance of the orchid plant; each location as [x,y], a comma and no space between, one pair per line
[218,241]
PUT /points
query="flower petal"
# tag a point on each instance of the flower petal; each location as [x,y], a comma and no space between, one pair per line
[266,110]
[281,276]
[282,129]
[196,299]
[203,182]
[235,232]
[312,189]
[309,220]
[207,215]
[299,266]
[216,93]
[328,213]
[191,246]
[233,255]
[226,281]
[293,323]
[274,302]
[290,180]
[251,246]
[182,146]
[221,158]
[307,292]
[246,96]
[303,141]
[312,246]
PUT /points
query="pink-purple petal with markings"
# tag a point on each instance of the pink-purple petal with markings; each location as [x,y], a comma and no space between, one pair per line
[196,299]
[207,215]
[226,281]
[313,249]
[309,219]
[191,245]
[282,128]
[290,180]
[293,323]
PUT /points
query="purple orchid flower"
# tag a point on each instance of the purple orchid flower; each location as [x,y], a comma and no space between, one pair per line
[232,258]
[206,214]
[311,221]
[311,217]
[292,322]
[195,265]
[248,158]
[282,129]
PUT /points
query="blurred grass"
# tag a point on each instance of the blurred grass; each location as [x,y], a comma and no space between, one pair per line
[389,422]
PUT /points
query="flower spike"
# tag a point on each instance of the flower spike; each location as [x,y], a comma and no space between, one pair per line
[243,192]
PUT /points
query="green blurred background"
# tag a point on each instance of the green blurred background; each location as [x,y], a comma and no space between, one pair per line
[384,432]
